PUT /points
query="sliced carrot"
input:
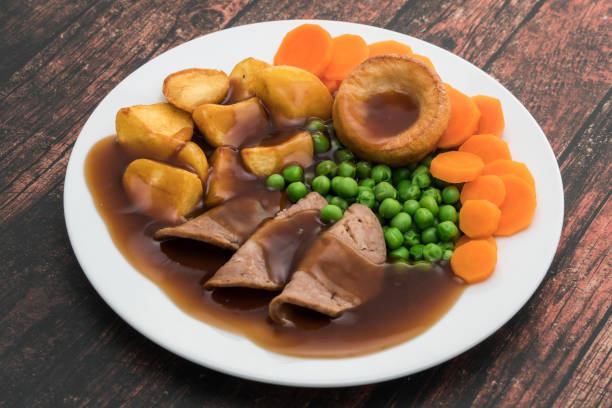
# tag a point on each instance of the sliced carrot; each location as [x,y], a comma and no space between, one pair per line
[489,187]
[308,46]
[389,47]
[505,167]
[474,261]
[463,121]
[465,239]
[518,207]
[456,167]
[488,146]
[492,119]
[425,60]
[331,84]
[347,51]
[479,218]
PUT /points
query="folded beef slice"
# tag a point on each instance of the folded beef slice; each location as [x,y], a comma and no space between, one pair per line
[265,260]
[342,269]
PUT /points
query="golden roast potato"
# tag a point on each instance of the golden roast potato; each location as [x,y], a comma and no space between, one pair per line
[162,191]
[241,78]
[292,95]
[157,130]
[191,155]
[391,109]
[192,87]
[231,125]
[269,159]
[225,178]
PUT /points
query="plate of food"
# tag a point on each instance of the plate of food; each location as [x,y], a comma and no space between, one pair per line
[313,203]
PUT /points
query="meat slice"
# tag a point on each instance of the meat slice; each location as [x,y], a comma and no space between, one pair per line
[266,258]
[342,269]
[229,224]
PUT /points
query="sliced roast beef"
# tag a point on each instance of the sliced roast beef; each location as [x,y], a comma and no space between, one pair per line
[341,270]
[266,258]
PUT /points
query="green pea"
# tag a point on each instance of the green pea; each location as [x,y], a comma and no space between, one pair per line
[399,174]
[367,198]
[363,188]
[446,245]
[321,185]
[411,238]
[327,168]
[320,142]
[447,254]
[416,251]
[346,169]
[328,197]
[434,192]
[368,182]
[426,161]
[296,190]
[316,125]
[450,195]
[384,190]
[430,203]
[400,253]
[335,182]
[410,206]
[345,155]
[447,231]
[345,187]
[381,172]
[432,253]
[331,212]
[421,169]
[408,191]
[340,202]
[293,173]
[363,170]
[402,221]
[421,180]
[429,235]
[389,208]
[447,213]
[275,182]
[423,218]
[394,238]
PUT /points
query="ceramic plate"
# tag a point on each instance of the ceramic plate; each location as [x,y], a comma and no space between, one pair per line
[481,310]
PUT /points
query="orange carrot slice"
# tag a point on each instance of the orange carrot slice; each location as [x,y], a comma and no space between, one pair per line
[489,147]
[331,84]
[505,167]
[347,51]
[489,187]
[389,47]
[308,46]
[474,261]
[465,239]
[492,119]
[518,207]
[425,60]
[456,167]
[463,121]
[479,218]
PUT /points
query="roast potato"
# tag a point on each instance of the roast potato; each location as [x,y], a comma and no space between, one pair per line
[191,155]
[157,130]
[231,125]
[223,182]
[270,159]
[195,86]
[162,191]
[241,78]
[292,95]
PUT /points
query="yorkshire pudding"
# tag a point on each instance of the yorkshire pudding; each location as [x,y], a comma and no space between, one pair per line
[391,109]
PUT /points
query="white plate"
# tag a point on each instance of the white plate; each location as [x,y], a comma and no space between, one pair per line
[482,309]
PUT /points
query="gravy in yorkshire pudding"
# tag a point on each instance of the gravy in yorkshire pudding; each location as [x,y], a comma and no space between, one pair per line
[391,109]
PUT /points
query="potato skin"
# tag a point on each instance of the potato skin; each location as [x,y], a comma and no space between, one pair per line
[160,190]
[157,130]
[292,95]
[241,78]
[193,87]
[265,160]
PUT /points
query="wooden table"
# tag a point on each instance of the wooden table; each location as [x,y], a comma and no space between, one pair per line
[61,345]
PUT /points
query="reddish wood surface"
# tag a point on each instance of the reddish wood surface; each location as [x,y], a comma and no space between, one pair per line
[60,345]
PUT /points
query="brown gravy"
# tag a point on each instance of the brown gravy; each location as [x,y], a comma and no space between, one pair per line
[390,113]
[410,299]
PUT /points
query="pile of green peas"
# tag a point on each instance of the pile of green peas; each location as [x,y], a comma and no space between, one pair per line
[418,212]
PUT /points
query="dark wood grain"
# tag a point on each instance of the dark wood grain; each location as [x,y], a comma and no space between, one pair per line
[60,345]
